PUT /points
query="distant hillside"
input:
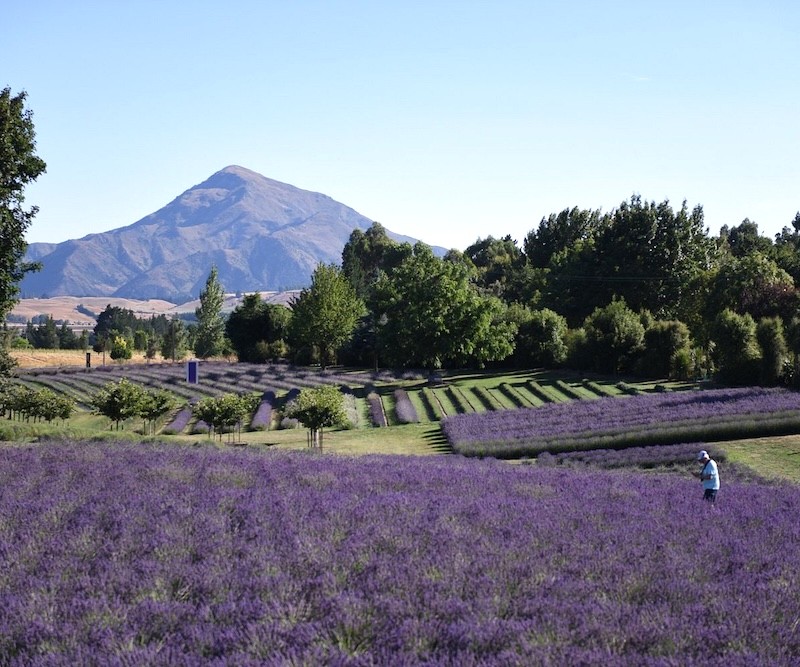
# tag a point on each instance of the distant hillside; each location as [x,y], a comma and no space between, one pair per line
[261,234]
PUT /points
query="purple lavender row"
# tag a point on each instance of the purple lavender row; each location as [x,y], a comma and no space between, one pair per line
[404,409]
[376,414]
[182,556]
[683,454]
[609,414]
[263,415]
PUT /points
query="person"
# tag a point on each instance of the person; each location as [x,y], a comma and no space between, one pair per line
[709,476]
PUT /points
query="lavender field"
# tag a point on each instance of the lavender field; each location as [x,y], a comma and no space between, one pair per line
[132,554]
[611,423]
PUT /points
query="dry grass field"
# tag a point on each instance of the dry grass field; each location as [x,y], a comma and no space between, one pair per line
[43,358]
[66,307]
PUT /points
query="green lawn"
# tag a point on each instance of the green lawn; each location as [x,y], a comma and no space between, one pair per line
[777,457]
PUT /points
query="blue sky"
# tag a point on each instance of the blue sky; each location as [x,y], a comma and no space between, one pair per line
[446,121]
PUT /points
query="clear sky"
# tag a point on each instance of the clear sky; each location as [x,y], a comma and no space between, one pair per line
[445,121]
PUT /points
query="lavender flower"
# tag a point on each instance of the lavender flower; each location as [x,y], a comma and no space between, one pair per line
[153,554]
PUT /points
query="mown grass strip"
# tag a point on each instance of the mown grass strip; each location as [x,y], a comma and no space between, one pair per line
[433,407]
[486,399]
[599,389]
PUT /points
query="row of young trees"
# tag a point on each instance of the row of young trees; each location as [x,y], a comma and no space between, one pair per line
[316,408]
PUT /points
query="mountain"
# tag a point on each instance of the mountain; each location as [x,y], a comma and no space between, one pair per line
[261,234]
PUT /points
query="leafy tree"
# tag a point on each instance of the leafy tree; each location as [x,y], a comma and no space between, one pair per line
[774,351]
[430,315]
[43,336]
[67,340]
[318,408]
[666,344]
[541,340]
[119,401]
[121,348]
[744,240]
[615,337]
[257,330]
[498,263]
[115,320]
[367,254]
[19,166]
[787,249]
[325,314]
[210,337]
[223,413]
[559,232]
[648,253]
[736,351]
[174,344]
[753,284]
[152,405]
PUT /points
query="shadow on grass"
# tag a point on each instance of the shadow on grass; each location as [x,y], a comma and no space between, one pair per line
[435,440]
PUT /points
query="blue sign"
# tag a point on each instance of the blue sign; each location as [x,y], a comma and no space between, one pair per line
[191,371]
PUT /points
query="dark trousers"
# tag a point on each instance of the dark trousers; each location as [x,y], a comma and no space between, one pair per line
[710,495]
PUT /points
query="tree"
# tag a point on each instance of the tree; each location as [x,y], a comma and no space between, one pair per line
[19,166]
[325,314]
[256,328]
[666,343]
[225,412]
[173,344]
[774,351]
[615,335]
[121,348]
[499,263]
[367,254]
[318,408]
[119,401]
[541,339]
[430,315]
[736,351]
[210,337]
[152,405]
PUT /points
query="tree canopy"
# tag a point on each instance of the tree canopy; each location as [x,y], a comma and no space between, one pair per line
[325,314]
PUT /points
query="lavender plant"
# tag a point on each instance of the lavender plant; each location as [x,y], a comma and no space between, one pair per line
[146,554]
[262,418]
[376,414]
[665,418]
[404,409]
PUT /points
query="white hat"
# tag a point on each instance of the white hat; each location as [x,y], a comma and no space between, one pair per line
[702,454]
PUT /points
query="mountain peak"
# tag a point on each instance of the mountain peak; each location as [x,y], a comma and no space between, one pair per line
[262,235]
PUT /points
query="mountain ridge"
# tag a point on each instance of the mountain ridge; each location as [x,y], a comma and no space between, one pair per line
[261,234]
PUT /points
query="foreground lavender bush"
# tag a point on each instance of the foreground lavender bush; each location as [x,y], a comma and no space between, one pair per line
[681,455]
[664,418]
[134,554]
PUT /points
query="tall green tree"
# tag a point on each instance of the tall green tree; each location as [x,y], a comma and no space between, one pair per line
[430,315]
[256,327]
[325,314]
[736,351]
[174,343]
[367,254]
[774,350]
[210,336]
[648,254]
[499,263]
[19,166]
